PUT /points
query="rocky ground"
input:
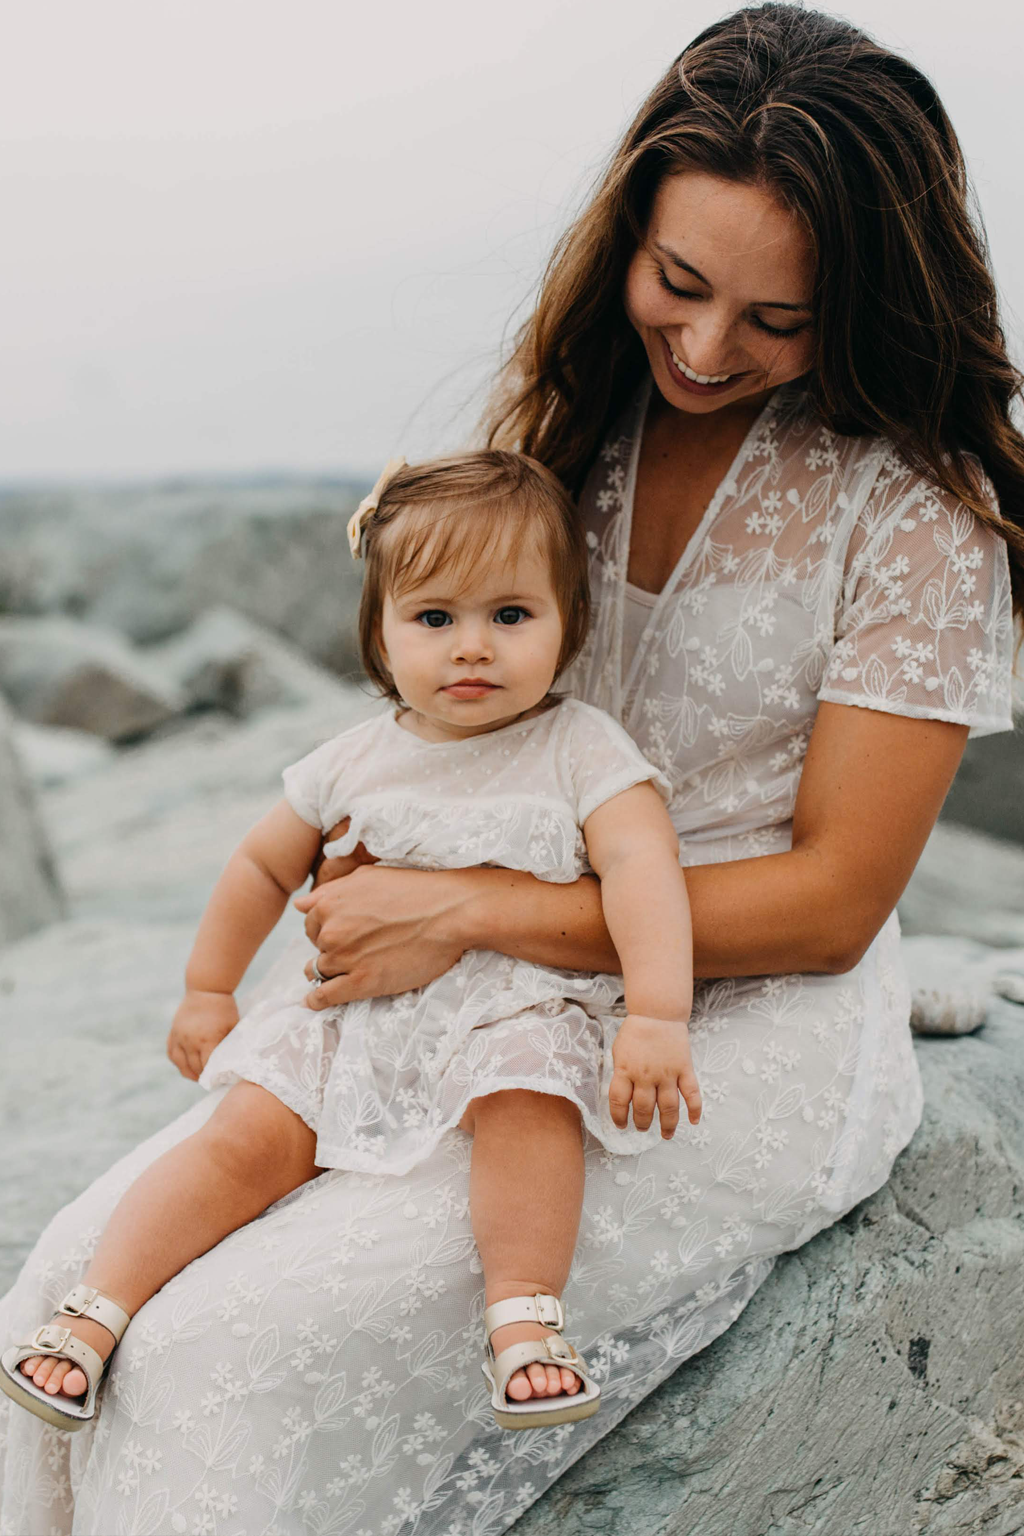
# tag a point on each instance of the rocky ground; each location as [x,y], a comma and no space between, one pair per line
[876,1382]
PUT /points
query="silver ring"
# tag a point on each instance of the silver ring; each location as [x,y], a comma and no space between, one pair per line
[318,975]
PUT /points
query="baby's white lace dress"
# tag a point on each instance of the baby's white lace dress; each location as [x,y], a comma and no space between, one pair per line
[382,1080]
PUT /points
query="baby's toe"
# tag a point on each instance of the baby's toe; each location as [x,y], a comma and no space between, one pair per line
[74,1383]
[42,1371]
[538,1379]
[570,1381]
[29,1366]
[57,1375]
[519,1388]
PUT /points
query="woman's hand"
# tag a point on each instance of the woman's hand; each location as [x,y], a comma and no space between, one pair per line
[653,1066]
[201,1022]
[383,931]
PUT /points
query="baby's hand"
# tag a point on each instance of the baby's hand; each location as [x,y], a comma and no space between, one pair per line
[653,1067]
[201,1022]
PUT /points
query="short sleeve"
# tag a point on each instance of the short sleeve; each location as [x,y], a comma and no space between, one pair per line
[925,623]
[310,785]
[605,760]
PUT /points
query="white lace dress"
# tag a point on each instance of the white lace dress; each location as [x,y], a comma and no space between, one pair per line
[382,1080]
[318,1371]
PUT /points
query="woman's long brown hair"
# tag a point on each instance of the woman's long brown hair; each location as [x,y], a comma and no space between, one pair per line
[855,141]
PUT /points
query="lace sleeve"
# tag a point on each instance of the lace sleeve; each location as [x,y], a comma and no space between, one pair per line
[924,626]
[605,760]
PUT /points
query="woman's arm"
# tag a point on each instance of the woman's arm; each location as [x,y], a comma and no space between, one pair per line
[872,787]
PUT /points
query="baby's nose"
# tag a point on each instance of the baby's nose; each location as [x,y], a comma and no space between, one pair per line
[472,643]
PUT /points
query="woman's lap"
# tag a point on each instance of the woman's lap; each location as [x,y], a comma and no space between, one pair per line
[320,1368]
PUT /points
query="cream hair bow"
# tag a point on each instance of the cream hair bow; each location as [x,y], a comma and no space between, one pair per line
[368,506]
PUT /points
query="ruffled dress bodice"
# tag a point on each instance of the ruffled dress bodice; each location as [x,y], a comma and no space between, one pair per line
[380,1080]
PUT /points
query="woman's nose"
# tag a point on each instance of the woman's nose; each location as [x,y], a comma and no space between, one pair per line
[707,344]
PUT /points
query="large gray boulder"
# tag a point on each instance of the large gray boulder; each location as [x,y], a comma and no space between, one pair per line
[969,884]
[875,1382]
[225,661]
[149,559]
[30,895]
[59,671]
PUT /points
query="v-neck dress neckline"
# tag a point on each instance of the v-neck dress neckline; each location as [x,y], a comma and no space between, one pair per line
[627,681]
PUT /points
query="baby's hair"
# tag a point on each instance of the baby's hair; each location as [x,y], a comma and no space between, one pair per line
[468,506]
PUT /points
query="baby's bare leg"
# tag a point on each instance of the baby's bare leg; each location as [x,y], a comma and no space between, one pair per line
[252,1151]
[526,1195]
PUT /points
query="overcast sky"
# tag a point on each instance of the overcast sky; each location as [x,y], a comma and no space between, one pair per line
[241,235]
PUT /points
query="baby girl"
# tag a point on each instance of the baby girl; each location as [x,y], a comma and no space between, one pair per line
[474,603]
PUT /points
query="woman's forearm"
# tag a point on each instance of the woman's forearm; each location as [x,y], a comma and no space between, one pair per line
[752,917]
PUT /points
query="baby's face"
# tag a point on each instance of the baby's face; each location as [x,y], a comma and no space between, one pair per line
[471,661]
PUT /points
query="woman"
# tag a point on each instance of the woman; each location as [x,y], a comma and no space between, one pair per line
[767,355]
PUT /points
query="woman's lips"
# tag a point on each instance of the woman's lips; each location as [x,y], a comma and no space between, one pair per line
[470,690]
[691,388]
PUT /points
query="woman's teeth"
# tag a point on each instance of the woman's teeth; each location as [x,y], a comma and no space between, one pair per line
[700,378]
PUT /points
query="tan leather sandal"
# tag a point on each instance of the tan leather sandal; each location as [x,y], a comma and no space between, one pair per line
[535,1411]
[54,1407]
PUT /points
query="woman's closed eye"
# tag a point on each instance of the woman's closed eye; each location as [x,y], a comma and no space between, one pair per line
[755,320]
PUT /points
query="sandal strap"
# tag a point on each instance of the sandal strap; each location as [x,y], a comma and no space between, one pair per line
[61,1343]
[86,1301]
[542,1308]
[550,1351]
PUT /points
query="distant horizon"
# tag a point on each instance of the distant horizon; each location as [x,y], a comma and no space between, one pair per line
[275,475]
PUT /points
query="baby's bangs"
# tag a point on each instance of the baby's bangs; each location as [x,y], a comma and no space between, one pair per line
[454,541]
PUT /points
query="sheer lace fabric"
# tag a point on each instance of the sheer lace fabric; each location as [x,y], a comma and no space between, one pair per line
[382,1080]
[318,1371]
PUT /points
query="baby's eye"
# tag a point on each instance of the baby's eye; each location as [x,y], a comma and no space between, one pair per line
[511,615]
[433,618]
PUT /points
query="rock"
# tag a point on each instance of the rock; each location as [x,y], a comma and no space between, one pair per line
[141,842]
[876,1380]
[954,982]
[967,884]
[149,834]
[225,661]
[55,754]
[62,672]
[30,894]
[147,560]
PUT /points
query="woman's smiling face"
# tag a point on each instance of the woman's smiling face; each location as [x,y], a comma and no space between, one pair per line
[721,293]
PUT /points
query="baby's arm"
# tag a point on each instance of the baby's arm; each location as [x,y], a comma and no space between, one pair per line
[271,862]
[633,847]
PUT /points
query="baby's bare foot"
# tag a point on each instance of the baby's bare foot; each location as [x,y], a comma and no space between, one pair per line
[64,1376]
[536,1379]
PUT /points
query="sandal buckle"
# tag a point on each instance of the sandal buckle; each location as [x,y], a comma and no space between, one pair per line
[546,1306]
[78,1308]
[49,1337]
[560,1349]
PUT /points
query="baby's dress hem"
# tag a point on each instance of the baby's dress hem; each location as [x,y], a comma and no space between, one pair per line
[628,1143]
